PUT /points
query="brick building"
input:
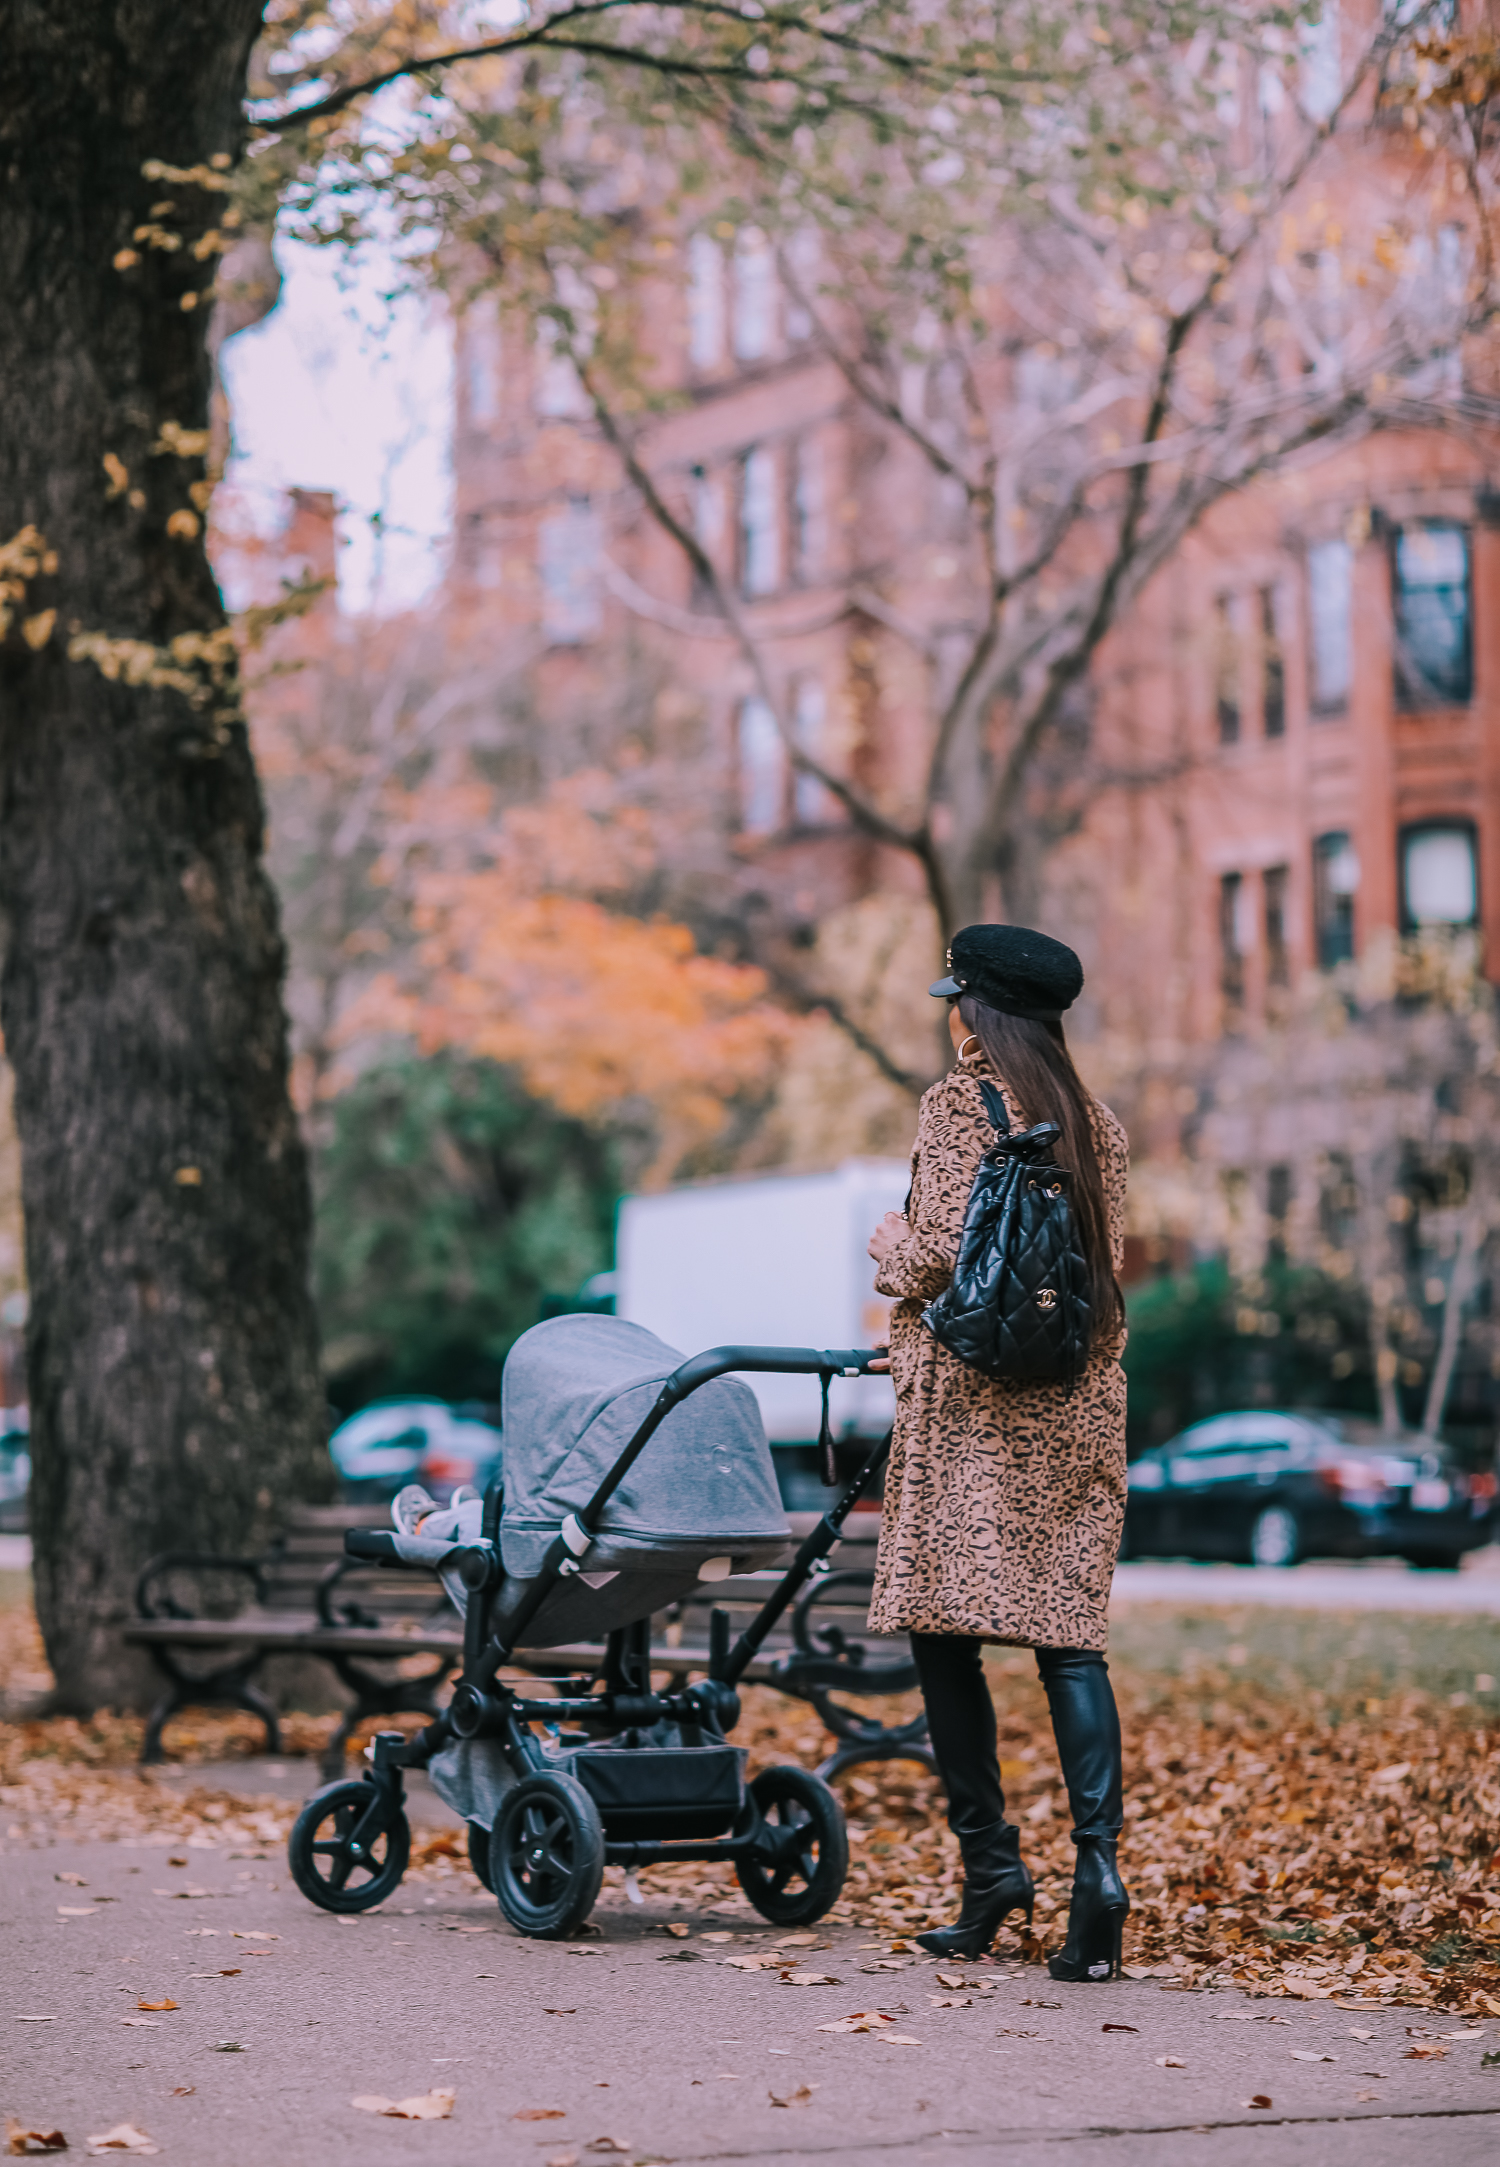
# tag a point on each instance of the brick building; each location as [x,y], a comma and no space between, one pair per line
[1292,738]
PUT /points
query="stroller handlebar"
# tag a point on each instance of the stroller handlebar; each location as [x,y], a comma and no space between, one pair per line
[788,1361]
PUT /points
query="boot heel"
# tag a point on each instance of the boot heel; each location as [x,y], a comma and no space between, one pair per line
[1117,1946]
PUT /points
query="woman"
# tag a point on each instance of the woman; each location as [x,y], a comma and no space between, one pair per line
[1004,1500]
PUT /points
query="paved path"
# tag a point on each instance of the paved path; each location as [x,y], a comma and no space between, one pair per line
[653,2048]
[1375,1584]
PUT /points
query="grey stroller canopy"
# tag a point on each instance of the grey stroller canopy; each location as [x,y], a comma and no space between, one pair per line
[701,1501]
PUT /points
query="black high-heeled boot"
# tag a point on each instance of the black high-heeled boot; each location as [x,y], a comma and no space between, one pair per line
[1087,1728]
[1096,1915]
[995,1883]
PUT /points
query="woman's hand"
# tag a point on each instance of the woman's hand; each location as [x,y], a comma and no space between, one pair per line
[893,1228]
[881,1347]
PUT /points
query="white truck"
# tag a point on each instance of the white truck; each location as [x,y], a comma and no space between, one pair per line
[776,1261]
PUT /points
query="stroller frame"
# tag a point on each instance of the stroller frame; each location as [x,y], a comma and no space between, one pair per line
[545,1857]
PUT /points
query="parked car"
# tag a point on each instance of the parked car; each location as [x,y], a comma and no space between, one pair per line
[15,1471]
[1270,1488]
[393,1442]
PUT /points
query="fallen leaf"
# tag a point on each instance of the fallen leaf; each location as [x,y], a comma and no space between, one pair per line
[681,1956]
[1028,2003]
[950,1978]
[1170,2061]
[1367,2095]
[886,1963]
[718,1935]
[177,1861]
[423,2107]
[1425,2054]
[951,2001]
[1119,2027]
[750,1963]
[144,2024]
[810,1978]
[1354,2034]
[539,2114]
[19,2140]
[561,2159]
[801,2097]
[76,1911]
[156,2005]
[125,2137]
[224,2046]
[1259,2099]
[74,1881]
[36,2020]
[559,2012]
[182,2091]
[233,1972]
[237,1935]
[1306,2054]
[676,1928]
[792,1941]
[899,2039]
[607,2144]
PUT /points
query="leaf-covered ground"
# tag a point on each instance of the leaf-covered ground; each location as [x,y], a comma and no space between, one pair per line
[1313,1802]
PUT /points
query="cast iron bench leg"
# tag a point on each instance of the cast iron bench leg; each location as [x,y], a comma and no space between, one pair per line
[222,1689]
[377,1697]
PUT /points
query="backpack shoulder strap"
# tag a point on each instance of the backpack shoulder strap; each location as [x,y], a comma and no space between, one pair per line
[994,1106]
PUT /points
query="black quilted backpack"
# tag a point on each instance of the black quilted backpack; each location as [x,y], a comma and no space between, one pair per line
[1018,1305]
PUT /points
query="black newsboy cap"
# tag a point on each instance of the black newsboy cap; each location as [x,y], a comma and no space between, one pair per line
[1014,969]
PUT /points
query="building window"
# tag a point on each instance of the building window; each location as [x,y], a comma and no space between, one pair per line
[706,302]
[812,805]
[1278,955]
[568,561]
[1433,660]
[559,388]
[760,524]
[1330,582]
[762,769]
[1335,885]
[804,262]
[754,295]
[1439,875]
[1272,668]
[1226,672]
[481,368]
[809,521]
[1322,66]
[1231,944]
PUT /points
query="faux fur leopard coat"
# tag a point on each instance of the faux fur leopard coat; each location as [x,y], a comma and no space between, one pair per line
[1004,1501]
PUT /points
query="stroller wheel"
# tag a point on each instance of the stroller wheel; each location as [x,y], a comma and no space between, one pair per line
[343,1856]
[547,1856]
[798,1869]
[479,1853]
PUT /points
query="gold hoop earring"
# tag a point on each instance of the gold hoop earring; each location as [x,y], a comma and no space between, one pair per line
[971,1040]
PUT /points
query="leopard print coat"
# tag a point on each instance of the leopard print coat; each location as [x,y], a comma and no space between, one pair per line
[1004,1500]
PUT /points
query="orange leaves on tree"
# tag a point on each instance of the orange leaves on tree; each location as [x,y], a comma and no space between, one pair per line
[602,1013]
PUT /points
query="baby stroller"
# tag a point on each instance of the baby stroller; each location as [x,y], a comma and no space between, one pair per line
[571,1542]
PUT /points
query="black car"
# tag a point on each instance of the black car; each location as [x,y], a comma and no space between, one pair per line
[1270,1488]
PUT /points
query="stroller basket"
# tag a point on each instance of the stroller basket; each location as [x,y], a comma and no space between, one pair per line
[638,1776]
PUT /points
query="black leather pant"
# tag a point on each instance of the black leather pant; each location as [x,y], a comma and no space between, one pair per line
[961,1725]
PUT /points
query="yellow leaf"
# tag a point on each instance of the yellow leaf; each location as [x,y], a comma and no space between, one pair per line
[118,472]
[36,631]
[183,526]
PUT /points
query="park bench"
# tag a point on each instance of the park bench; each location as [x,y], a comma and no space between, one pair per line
[210,1623]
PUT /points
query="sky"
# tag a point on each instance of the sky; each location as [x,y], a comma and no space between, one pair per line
[337,389]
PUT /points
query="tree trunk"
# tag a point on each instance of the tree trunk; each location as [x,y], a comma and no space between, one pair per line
[174,1386]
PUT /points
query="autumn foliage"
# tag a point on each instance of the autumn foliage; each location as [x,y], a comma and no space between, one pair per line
[521,959]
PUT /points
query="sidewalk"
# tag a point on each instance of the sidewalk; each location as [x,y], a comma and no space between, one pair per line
[643,2045]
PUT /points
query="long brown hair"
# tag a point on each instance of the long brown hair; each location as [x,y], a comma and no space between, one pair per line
[1033,1059]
